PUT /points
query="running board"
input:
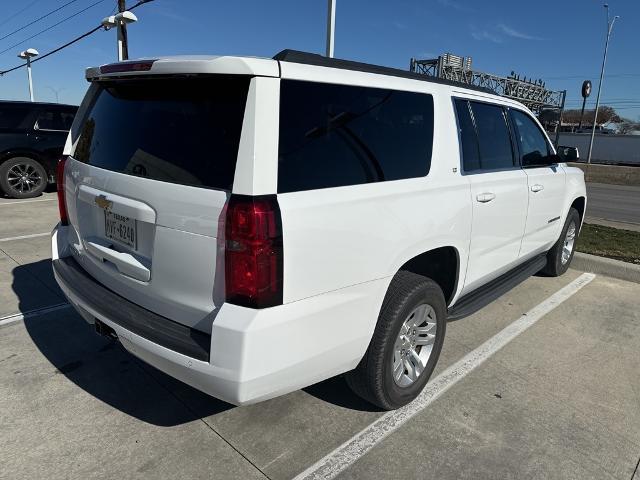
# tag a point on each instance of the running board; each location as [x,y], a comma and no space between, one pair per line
[483,296]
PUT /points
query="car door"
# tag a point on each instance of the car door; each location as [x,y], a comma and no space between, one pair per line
[498,189]
[546,185]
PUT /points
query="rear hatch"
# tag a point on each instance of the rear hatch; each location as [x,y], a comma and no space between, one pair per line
[147,181]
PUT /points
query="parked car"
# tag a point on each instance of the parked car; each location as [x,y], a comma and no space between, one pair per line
[32,136]
[253,226]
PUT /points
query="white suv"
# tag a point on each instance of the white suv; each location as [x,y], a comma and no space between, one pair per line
[252,226]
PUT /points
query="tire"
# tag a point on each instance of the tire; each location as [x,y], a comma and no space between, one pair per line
[559,258]
[373,378]
[22,177]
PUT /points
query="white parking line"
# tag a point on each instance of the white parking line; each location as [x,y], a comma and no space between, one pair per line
[23,237]
[17,317]
[350,451]
[4,204]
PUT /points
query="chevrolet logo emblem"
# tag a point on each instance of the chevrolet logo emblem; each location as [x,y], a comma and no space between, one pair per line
[103,203]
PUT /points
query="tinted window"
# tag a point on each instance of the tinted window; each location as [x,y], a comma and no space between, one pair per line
[12,116]
[337,135]
[54,120]
[180,130]
[533,145]
[468,138]
[494,139]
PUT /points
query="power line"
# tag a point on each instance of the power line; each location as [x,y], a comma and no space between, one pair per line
[11,17]
[37,20]
[71,42]
[51,27]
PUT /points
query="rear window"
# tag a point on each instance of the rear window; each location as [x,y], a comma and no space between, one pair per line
[183,131]
[339,135]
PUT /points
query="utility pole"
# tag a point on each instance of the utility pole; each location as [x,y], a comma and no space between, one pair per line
[610,23]
[331,26]
[123,45]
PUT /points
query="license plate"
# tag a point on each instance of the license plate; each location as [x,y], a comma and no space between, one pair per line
[120,228]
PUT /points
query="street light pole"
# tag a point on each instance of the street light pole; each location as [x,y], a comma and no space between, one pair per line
[119,21]
[56,92]
[604,62]
[26,55]
[331,26]
[30,79]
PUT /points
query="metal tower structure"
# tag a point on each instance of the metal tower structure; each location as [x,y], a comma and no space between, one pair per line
[532,93]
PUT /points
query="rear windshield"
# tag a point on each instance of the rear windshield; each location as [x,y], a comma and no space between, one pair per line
[183,131]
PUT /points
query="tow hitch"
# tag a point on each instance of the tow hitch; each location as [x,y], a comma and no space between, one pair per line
[105,330]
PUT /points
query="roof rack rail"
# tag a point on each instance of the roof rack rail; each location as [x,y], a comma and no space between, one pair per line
[306,58]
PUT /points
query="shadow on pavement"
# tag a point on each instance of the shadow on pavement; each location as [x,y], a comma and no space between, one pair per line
[336,391]
[103,368]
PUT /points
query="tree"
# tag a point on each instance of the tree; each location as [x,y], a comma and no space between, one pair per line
[606,114]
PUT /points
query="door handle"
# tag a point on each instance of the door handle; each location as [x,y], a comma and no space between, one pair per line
[485,197]
[537,187]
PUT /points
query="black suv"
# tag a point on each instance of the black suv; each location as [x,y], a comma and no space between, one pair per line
[32,137]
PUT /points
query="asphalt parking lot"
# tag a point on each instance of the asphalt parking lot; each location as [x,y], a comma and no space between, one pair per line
[542,383]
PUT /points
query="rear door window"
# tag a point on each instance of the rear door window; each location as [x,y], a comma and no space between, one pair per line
[468,137]
[485,138]
[339,135]
[494,139]
[183,131]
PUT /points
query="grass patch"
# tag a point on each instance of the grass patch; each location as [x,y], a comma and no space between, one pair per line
[610,242]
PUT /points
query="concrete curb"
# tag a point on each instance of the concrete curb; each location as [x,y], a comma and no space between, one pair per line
[606,266]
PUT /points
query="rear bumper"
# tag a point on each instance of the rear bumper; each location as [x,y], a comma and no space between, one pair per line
[253,354]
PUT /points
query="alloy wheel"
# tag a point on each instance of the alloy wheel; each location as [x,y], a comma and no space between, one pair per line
[569,242]
[23,178]
[414,344]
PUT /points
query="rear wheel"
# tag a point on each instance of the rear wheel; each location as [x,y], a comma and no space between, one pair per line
[22,177]
[406,343]
[560,255]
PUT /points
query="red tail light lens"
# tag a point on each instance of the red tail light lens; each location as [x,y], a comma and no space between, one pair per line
[253,251]
[62,206]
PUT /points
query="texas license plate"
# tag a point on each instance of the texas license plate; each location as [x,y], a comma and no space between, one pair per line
[120,228]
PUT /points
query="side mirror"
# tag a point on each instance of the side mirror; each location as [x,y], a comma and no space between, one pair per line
[568,154]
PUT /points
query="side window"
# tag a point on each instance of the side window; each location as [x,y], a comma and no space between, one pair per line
[532,142]
[67,119]
[494,138]
[50,120]
[339,135]
[468,137]
[12,116]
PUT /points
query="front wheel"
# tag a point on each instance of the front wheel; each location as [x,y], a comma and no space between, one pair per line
[22,177]
[406,343]
[560,255]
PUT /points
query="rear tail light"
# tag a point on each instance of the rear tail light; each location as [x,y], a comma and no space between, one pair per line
[62,206]
[253,251]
